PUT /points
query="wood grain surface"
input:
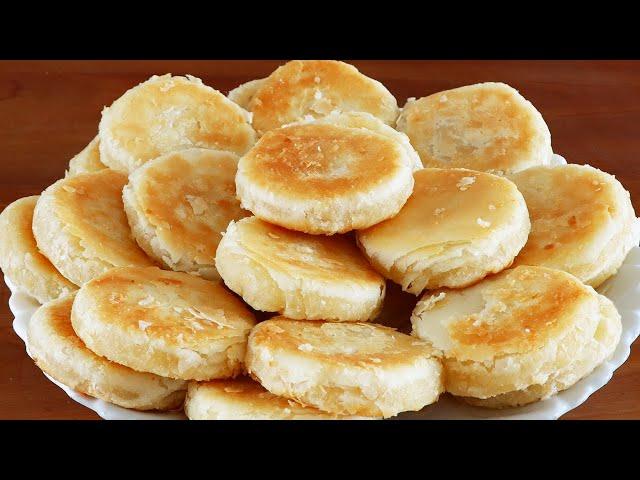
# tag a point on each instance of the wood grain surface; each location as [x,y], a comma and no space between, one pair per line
[49,110]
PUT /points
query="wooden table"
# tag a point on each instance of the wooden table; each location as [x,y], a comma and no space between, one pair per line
[49,110]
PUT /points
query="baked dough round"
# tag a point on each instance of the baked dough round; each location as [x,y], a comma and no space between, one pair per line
[59,353]
[244,399]
[594,353]
[179,204]
[299,275]
[80,225]
[316,88]
[88,160]
[582,221]
[21,261]
[457,227]
[519,336]
[487,127]
[323,179]
[168,323]
[168,113]
[345,368]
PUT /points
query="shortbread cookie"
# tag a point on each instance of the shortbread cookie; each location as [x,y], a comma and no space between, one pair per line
[80,225]
[457,227]
[59,352]
[21,260]
[487,126]
[344,368]
[168,113]
[168,323]
[519,336]
[299,275]
[582,221]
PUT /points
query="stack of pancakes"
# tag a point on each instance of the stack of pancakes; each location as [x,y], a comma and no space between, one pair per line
[230,255]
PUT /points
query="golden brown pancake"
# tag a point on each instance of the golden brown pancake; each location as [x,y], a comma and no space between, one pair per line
[457,227]
[302,276]
[582,221]
[344,368]
[521,330]
[168,323]
[178,206]
[168,113]
[59,353]
[324,179]
[80,225]
[315,88]
[21,260]
[487,126]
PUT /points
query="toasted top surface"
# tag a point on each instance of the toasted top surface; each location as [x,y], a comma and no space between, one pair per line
[90,206]
[245,396]
[189,197]
[487,126]
[167,113]
[317,87]
[575,210]
[172,306]
[448,207]
[357,344]
[364,120]
[513,312]
[328,259]
[312,161]
[17,243]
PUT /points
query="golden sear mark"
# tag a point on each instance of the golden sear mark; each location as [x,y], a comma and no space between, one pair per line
[529,313]
[323,159]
